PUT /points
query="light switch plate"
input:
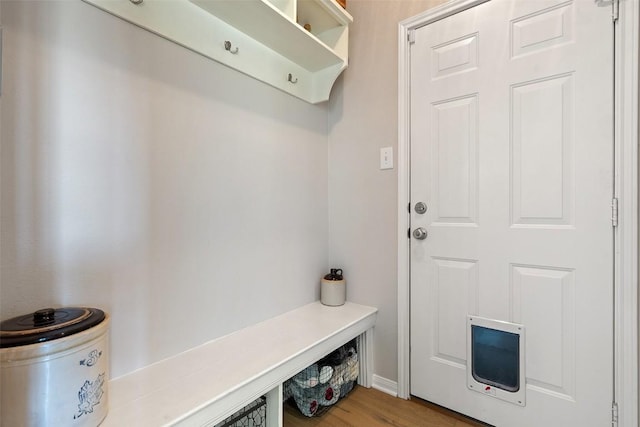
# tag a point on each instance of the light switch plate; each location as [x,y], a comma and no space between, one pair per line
[386,158]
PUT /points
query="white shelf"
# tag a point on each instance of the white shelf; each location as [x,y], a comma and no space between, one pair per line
[264,23]
[269,35]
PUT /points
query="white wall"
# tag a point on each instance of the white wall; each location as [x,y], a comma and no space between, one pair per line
[363,117]
[182,197]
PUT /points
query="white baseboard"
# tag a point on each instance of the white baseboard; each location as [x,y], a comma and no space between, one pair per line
[385,385]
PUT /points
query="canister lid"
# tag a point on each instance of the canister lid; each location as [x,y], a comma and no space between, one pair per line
[47,324]
[335,274]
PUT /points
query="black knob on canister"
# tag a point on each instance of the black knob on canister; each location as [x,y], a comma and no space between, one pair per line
[44,316]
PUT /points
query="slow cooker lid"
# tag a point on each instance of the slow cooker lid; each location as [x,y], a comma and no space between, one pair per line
[48,324]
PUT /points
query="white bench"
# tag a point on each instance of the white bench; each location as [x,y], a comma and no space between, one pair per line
[206,384]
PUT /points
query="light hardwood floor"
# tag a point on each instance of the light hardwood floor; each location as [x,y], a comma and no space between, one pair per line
[372,408]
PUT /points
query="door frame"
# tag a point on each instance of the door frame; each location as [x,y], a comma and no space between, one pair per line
[626,185]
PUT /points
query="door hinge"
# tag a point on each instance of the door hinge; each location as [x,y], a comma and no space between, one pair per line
[615,12]
[614,414]
[614,212]
[411,36]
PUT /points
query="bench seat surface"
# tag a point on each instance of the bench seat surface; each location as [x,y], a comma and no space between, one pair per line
[170,390]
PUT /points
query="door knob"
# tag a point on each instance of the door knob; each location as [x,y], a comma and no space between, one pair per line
[420,208]
[420,233]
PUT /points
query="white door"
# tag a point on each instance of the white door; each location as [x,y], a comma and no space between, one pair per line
[512,153]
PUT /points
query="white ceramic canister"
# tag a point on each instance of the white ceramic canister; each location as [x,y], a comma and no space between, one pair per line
[333,288]
[54,368]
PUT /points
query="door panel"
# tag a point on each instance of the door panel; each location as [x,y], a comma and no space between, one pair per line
[511,150]
[455,161]
[542,140]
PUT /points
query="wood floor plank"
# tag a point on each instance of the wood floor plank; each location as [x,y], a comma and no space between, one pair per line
[372,408]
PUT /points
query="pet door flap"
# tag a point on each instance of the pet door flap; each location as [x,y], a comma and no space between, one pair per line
[495,359]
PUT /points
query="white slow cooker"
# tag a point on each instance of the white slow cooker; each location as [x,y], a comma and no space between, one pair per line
[54,368]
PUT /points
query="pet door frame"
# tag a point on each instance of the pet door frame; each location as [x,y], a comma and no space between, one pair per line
[516,397]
